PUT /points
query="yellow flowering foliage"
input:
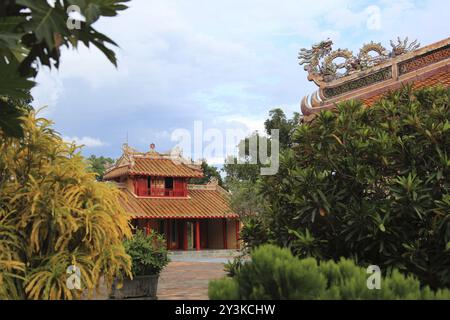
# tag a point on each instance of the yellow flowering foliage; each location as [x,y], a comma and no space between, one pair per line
[53,214]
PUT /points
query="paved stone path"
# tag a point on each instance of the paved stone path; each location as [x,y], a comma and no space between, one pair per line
[188,280]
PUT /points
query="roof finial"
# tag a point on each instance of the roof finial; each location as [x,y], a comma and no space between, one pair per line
[152,147]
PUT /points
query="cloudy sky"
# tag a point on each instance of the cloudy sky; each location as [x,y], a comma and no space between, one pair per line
[225,63]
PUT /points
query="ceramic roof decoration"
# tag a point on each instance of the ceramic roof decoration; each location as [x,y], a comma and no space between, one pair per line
[342,75]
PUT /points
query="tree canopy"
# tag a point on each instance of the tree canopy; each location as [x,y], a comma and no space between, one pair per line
[209,172]
[98,165]
[278,120]
[241,178]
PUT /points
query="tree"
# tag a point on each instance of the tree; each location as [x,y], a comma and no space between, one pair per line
[98,165]
[249,168]
[31,35]
[286,126]
[370,184]
[246,167]
[208,173]
[54,214]
[242,178]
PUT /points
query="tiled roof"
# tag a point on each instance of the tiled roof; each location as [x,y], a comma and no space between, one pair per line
[154,167]
[199,204]
[116,172]
[441,78]
[163,167]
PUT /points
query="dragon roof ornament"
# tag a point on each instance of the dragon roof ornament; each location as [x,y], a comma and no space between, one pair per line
[342,75]
[321,65]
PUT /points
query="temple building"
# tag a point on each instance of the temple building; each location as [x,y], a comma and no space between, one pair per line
[158,196]
[370,74]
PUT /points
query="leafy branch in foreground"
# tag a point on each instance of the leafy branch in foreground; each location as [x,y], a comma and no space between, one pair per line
[32,33]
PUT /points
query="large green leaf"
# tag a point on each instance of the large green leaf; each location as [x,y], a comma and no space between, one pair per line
[93,9]
[91,36]
[46,21]
[11,83]
[10,38]
[109,8]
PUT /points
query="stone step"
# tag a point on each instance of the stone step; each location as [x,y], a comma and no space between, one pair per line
[204,253]
[207,255]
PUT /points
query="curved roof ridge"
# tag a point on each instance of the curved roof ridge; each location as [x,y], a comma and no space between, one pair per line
[367,75]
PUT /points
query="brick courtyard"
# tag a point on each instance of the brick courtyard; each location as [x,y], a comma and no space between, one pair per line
[188,280]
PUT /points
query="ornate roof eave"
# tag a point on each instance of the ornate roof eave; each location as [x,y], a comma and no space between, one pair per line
[126,164]
[386,74]
[203,202]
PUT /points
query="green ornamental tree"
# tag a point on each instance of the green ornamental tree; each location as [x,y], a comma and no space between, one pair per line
[370,184]
[54,214]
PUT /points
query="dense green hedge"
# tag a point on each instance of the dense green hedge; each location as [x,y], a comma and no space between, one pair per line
[274,273]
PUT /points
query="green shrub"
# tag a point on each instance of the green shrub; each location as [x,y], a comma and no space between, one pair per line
[148,253]
[233,266]
[253,233]
[371,184]
[224,289]
[274,273]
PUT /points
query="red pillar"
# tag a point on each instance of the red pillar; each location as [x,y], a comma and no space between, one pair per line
[168,233]
[224,229]
[207,233]
[237,234]
[180,233]
[147,227]
[197,234]
[185,235]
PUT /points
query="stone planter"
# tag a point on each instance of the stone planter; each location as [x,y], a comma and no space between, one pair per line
[141,287]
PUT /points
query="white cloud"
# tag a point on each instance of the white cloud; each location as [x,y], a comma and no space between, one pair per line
[249,124]
[86,141]
[344,18]
[48,91]
[222,62]
[374,18]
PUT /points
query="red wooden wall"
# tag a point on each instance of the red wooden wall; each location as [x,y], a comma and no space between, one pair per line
[141,186]
[157,187]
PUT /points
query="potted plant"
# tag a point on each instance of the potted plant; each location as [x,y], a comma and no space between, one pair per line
[149,256]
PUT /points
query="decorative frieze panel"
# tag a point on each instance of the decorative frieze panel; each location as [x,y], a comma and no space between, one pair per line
[381,75]
[424,60]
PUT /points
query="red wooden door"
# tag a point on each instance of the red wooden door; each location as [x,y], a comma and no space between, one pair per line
[179,187]
[141,186]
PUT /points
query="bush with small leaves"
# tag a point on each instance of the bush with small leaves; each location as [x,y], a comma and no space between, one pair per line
[148,253]
[274,273]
